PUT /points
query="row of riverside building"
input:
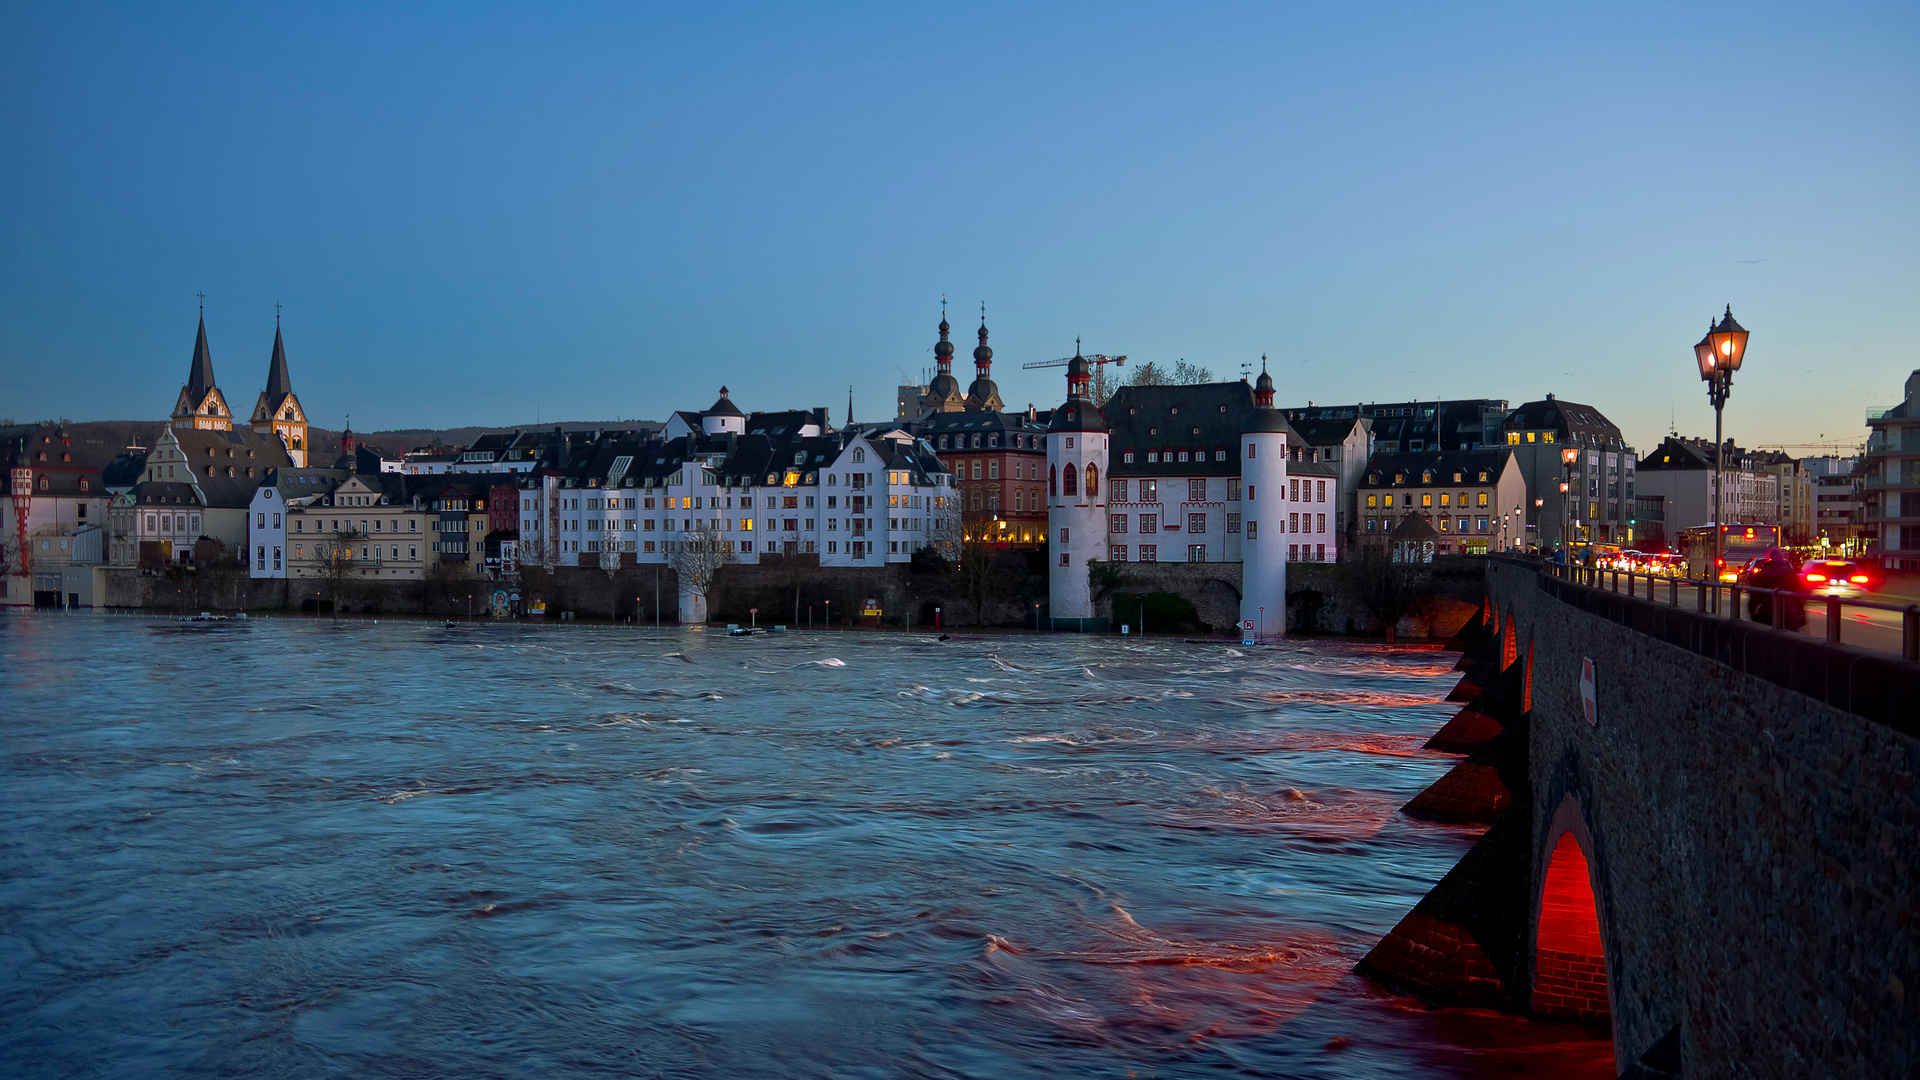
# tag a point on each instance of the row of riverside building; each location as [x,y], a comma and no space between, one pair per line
[1210,472]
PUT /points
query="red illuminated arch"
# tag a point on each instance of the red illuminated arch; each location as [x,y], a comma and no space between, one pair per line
[1526,683]
[1509,648]
[1569,958]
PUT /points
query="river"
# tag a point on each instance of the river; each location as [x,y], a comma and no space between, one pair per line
[300,847]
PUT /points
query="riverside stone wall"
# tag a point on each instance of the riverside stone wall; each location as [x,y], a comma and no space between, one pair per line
[1747,802]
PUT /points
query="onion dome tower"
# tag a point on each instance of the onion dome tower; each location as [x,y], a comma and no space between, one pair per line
[983,395]
[1263,483]
[943,393]
[201,404]
[723,416]
[278,411]
[1076,500]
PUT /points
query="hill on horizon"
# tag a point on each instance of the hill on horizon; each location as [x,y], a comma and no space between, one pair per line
[393,440]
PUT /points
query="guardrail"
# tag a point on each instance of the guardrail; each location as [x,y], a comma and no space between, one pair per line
[1724,600]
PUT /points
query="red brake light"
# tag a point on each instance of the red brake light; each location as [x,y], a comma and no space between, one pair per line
[1816,577]
[1861,578]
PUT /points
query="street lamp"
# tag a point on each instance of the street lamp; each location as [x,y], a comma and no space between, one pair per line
[1567,457]
[1719,355]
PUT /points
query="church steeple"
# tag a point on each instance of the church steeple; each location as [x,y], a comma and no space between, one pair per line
[278,411]
[983,395]
[943,393]
[201,404]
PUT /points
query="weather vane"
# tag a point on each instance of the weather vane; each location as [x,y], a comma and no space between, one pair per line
[203,302]
[276,313]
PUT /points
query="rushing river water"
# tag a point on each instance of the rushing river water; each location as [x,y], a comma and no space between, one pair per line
[286,847]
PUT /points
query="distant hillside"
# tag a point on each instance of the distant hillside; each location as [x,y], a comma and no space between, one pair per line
[396,441]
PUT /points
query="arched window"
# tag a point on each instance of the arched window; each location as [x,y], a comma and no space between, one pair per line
[859,455]
[1069,480]
[1093,480]
[1053,482]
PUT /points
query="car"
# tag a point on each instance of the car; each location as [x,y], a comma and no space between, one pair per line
[1845,578]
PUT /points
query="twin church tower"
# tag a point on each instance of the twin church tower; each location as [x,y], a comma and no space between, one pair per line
[278,412]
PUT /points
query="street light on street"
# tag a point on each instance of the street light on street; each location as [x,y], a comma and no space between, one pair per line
[1719,355]
[1567,457]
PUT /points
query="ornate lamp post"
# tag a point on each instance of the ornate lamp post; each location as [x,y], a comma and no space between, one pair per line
[1567,457]
[1719,355]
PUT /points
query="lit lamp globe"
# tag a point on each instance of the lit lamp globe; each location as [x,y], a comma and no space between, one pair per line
[1703,354]
[1729,342]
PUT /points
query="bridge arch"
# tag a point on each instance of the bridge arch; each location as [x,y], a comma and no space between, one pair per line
[1509,646]
[1569,950]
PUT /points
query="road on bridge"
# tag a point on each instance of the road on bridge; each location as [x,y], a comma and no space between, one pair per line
[1864,628]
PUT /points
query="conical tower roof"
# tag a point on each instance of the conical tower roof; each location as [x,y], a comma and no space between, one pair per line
[200,376]
[279,383]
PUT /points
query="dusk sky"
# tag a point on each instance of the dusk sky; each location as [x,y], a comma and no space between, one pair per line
[476,215]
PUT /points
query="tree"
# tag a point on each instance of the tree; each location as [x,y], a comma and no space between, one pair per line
[610,562]
[1181,374]
[333,565]
[978,576]
[1388,590]
[696,561]
[449,580]
[1148,374]
[944,533]
[1185,374]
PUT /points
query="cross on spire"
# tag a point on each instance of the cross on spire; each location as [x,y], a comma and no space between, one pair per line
[203,302]
[276,314]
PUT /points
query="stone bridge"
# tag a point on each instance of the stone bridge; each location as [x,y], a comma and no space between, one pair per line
[1709,846]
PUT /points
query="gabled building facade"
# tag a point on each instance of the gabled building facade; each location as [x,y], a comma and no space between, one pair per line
[1598,503]
[1473,501]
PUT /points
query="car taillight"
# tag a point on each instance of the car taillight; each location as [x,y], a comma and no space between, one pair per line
[1816,577]
[1860,579]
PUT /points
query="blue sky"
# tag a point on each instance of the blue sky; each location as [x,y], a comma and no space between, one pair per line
[480,215]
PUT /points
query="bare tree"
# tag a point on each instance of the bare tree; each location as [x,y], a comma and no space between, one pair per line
[1389,590]
[944,532]
[610,562]
[333,565]
[696,561]
[1148,374]
[1181,374]
[978,575]
[1185,374]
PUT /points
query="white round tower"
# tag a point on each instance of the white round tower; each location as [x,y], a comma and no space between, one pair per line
[1263,545]
[725,417]
[1076,501]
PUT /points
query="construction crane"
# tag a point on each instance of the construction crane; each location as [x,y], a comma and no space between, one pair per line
[1092,358]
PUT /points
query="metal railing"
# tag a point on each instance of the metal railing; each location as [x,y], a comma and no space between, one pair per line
[1723,600]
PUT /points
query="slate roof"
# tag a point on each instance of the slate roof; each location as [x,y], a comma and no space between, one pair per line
[165,493]
[200,374]
[279,383]
[212,454]
[72,455]
[1164,419]
[1571,422]
[1414,464]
